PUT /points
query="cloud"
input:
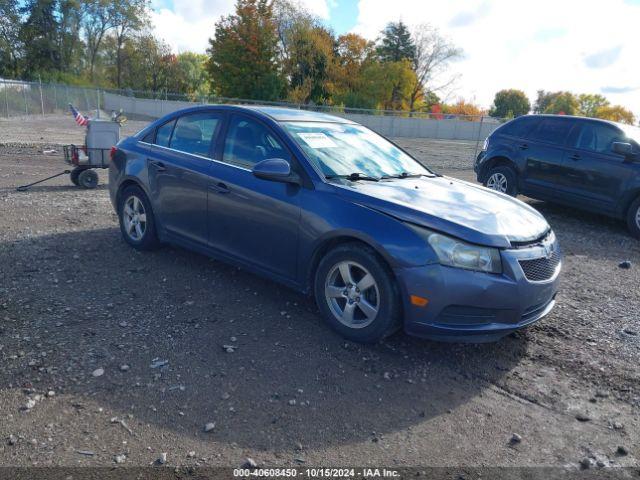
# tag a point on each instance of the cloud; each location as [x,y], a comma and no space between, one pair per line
[618,90]
[464,19]
[603,58]
[521,45]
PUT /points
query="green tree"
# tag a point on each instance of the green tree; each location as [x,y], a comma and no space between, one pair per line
[39,34]
[129,18]
[387,85]
[11,46]
[396,43]
[509,104]
[556,103]
[97,20]
[590,103]
[242,53]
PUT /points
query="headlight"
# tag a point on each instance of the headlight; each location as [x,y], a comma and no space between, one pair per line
[456,253]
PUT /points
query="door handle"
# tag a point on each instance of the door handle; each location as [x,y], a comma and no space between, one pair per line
[524,146]
[575,156]
[159,165]
[221,187]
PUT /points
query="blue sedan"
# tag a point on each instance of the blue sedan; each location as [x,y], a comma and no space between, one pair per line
[328,207]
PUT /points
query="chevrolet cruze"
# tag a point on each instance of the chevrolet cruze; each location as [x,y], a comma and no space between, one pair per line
[328,207]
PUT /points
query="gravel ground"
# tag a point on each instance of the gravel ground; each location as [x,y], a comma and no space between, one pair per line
[110,356]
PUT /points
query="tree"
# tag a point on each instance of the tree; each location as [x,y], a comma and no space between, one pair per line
[39,35]
[590,103]
[10,40]
[396,43]
[387,85]
[432,55]
[310,63]
[97,19]
[615,113]
[352,54]
[468,110]
[129,17]
[509,104]
[242,53]
[565,103]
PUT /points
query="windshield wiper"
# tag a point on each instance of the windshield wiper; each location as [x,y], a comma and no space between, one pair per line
[403,175]
[355,176]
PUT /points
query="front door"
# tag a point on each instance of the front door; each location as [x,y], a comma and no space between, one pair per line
[253,220]
[594,176]
[179,175]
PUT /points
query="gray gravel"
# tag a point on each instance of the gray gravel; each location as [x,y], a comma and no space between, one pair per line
[289,390]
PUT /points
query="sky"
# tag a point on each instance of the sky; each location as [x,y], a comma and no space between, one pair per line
[585,46]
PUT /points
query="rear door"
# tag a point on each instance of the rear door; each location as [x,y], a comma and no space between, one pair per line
[179,174]
[544,153]
[594,176]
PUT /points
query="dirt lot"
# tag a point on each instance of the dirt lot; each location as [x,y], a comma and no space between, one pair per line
[113,356]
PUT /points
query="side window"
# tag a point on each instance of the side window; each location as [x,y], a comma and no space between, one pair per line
[249,142]
[193,133]
[148,138]
[552,130]
[519,127]
[163,134]
[598,137]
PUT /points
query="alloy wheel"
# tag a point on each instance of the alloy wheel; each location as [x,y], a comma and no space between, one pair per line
[638,218]
[497,182]
[135,218]
[352,294]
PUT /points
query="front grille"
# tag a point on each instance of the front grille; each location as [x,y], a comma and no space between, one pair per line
[540,269]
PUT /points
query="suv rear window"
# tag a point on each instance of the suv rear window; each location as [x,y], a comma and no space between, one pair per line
[552,130]
[519,127]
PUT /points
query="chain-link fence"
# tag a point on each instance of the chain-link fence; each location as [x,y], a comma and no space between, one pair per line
[20,99]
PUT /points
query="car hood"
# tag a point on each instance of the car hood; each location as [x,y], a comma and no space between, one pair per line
[464,210]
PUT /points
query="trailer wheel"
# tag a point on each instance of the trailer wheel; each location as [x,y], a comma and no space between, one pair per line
[74,175]
[88,179]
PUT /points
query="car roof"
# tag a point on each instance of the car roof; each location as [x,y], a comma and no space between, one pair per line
[278,114]
[571,117]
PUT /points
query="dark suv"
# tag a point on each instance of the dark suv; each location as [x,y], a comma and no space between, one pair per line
[581,162]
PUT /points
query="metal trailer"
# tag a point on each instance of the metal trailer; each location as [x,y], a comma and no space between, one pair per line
[101,138]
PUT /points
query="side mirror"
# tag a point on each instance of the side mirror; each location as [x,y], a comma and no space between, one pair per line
[275,170]
[621,148]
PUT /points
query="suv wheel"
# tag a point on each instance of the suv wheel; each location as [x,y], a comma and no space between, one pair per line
[502,179]
[137,223]
[357,294]
[633,218]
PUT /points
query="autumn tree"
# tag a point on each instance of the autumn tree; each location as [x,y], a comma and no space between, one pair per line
[615,113]
[509,104]
[242,53]
[588,104]
[387,85]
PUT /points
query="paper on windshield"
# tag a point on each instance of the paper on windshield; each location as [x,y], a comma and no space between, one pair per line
[317,140]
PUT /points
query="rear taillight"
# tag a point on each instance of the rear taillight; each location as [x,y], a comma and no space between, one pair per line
[113,152]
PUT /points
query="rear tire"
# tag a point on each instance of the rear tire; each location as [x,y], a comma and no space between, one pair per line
[633,218]
[137,223]
[365,307]
[88,179]
[502,179]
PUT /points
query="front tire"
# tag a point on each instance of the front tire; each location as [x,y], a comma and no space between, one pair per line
[502,179]
[357,294]
[633,218]
[137,223]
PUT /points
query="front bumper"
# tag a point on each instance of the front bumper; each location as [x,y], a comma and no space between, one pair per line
[469,306]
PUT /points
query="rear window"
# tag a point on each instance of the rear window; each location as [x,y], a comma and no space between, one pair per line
[163,134]
[519,127]
[552,130]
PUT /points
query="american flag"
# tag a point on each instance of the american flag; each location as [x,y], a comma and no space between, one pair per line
[78,117]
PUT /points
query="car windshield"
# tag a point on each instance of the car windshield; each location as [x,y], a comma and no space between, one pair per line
[339,149]
[632,132]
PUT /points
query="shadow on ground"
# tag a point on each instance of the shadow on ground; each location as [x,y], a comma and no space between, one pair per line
[93,302]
